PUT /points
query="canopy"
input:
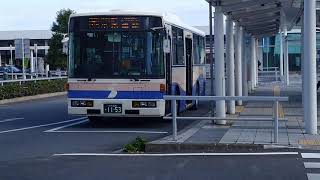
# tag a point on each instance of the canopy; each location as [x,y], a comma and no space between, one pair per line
[262,17]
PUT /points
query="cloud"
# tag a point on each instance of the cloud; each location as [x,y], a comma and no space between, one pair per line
[39,14]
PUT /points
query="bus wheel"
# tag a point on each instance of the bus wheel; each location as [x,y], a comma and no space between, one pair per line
[178,103]
[195,106]
[94,120]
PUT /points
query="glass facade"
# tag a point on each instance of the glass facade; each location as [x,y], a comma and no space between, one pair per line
[271,48]
[271,51]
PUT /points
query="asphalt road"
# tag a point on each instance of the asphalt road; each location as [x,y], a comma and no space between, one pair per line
[34,135]
[241,167]
[41,128]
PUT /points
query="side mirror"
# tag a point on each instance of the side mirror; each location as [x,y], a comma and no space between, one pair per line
[65,45]
[166,46]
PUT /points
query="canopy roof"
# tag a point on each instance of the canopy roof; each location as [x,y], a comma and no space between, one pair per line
[262,17]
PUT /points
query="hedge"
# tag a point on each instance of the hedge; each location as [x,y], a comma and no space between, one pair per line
[31,88]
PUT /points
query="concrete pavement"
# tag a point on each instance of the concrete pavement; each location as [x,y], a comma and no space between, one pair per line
[255,134]
[25,130]
[158,167]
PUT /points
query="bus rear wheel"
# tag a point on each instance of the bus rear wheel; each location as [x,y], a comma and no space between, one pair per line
[95,119]
[195,105]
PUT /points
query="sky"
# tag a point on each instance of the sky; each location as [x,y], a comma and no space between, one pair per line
[39,14]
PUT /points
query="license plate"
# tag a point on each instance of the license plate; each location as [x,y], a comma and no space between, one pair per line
[113,108]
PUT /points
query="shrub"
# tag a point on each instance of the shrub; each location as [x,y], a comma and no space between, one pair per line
[31,88]
[136,146]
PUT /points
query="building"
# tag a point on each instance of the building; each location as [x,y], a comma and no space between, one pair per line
[271,46]
[39,45]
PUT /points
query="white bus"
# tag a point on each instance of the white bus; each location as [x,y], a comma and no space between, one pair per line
[122,63]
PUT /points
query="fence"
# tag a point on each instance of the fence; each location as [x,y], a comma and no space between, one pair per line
[270,74]
[20,81]
[16,76]
[273,99]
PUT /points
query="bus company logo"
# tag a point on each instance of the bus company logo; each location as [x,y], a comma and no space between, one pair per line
[112,94]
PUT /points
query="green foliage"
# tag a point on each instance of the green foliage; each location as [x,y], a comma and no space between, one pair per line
[56,58]
[136,146]
[62,20]
[31,88]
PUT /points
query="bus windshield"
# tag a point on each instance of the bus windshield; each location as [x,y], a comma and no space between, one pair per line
[116,48]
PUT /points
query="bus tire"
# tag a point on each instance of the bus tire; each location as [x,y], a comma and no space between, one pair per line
[178,103]
[94,120]
[195,105]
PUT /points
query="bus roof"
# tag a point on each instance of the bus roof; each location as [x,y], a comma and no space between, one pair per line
[167,17]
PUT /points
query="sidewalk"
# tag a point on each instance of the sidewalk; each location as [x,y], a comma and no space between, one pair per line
[205,136]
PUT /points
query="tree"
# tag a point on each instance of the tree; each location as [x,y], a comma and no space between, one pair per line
[56,58]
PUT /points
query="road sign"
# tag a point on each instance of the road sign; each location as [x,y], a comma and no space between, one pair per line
[22,45]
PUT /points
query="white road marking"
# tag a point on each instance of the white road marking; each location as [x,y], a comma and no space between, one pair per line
[312,176]
[182,154]
[44,125]
[311,165]
[310,155]
[61,127]
[112,131]
[11,119]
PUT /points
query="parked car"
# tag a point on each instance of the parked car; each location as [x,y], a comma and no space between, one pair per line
[9,69]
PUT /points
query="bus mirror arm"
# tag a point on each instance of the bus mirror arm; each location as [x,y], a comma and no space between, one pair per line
[157,28]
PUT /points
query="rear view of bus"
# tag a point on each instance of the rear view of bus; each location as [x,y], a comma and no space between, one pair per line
[116,65]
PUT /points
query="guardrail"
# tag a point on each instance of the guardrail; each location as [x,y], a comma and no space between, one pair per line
[270,68]
[20,81]
[273,75]
[273,99]
[9,75]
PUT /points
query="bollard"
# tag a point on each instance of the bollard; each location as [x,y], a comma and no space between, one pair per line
[276,121]
[174,119]
[47,70]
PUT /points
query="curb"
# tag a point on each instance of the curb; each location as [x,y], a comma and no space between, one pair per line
[28,98]
[212,148]
[201,148]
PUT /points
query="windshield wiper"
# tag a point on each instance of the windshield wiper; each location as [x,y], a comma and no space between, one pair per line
[135,79]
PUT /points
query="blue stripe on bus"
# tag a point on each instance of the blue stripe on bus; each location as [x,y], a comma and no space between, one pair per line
[121,94]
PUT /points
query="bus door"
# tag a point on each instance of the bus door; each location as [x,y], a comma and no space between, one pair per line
[168,73]
[189,71]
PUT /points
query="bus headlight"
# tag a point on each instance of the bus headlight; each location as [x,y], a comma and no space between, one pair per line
[81,103]
[144,104]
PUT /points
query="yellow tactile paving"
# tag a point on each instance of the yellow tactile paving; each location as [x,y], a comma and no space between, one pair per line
[276,92]
[239,109]
[309,142]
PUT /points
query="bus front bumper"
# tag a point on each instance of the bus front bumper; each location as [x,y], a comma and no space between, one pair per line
[100,108]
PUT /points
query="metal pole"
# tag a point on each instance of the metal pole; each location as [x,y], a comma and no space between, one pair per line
[253,64]
[256,61]
[174,119]
[302,60]
[276,121]
[310,76]
[211,58]
[286,57]
[23,68]
[36,62]
[238,62]
[31,62]
[281,54]
[267,46]
[244,52]
[11,61]
[230,65]
[219,63]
